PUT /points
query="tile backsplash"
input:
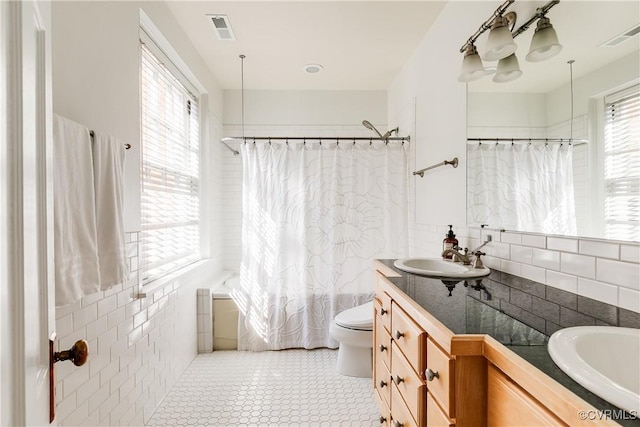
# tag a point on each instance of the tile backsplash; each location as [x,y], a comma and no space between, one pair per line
[547,308]
[603,270]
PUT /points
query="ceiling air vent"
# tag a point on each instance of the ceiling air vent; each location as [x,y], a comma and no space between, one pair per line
[222,27]
[622,37]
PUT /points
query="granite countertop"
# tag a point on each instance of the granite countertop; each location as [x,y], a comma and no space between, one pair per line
[493,306]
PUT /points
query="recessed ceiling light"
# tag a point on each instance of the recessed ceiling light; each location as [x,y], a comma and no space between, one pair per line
[313,68]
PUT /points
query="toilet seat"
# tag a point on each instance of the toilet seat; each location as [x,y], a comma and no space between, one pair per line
[358,318]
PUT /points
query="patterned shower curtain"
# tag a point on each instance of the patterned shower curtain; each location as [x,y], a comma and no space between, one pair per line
[315,215]
[521,187]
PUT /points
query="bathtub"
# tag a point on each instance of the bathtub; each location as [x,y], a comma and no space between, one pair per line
[225,315]
[218,315]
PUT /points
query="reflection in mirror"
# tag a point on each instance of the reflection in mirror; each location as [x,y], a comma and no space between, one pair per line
[591,188]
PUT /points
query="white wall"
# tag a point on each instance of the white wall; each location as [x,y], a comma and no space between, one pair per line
[611,76]
[507,109]
[430,79]
[305,107]
[288,113]
[603,270]
[138,346]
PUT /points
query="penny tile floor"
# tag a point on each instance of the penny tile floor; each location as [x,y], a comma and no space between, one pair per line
[274,388]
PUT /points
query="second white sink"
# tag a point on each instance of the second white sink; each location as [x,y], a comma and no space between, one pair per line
[439,268]
[603,359]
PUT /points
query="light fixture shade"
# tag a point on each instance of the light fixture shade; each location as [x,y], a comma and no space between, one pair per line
[508,69]
[544,43]
[472,68]
[500,42]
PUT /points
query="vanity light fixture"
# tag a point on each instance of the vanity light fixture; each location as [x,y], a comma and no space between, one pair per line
[500,43]
[472,68]
[501,47]
[544,43]
[508,69]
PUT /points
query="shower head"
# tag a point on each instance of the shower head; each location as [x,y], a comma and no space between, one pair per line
[390,132]
[369,126]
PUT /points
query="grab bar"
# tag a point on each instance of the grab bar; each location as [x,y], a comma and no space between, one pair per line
[453,162]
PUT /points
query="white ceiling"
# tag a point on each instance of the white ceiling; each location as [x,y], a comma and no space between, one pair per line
[362,45]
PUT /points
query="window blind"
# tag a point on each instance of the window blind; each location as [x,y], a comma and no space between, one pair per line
[170,204]
[622,164]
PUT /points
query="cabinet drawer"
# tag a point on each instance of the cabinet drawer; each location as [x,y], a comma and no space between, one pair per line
[383,309]
[435,417]
[409,337]
[400,415]
[411,387]
[385,413]
[440,386]
[382,382]
[382,343]
[509,405]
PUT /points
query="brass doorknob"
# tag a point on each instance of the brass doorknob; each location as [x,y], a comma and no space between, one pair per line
[78,354]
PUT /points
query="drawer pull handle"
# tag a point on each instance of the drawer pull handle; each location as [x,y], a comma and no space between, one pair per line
[431,374]
[397,423]
[382,419]
[382,347]
[399,335]
[382,384]
[383,311]
[397,379]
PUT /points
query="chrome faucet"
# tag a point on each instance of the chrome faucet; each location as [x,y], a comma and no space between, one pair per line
[458,256]
[465,258]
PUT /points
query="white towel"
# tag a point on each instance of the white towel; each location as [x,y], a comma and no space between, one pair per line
[108,169]
[76,256]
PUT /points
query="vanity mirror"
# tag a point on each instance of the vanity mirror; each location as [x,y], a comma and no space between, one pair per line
[578,189]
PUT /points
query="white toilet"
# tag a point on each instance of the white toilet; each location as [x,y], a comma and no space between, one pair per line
[353,328]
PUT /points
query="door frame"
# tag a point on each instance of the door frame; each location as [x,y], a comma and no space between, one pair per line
[27,312]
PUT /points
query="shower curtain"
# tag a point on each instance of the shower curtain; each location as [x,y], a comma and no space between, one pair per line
[315,215]
[522,187]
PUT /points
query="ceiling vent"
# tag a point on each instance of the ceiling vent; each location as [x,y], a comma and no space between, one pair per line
[622,37]
[222,27]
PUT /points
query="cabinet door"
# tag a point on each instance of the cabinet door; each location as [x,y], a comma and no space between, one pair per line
[440,366]
[400,415]
[382,343]
[382,382]
[410,385]
[385,413]
[435,417]
[383,308]
[509,405]
[409,337]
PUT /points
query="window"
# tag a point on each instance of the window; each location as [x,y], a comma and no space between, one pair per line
[622,164]
[170,203]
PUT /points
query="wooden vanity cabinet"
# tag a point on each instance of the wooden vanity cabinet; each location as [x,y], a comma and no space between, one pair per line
[510,405]
[401,357]
[424,375]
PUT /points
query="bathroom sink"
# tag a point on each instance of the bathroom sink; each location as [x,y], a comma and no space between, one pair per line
[603,359]
[437,267]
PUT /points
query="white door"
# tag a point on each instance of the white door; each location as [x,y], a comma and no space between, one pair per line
[27,314]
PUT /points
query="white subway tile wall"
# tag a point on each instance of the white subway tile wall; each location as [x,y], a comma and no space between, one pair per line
[137,350]
[603,270]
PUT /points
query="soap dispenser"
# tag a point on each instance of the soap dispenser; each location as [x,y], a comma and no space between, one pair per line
[449,242]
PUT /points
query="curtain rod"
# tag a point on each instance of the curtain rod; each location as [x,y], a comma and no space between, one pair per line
[92,135]
[529,140]
[353,139]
